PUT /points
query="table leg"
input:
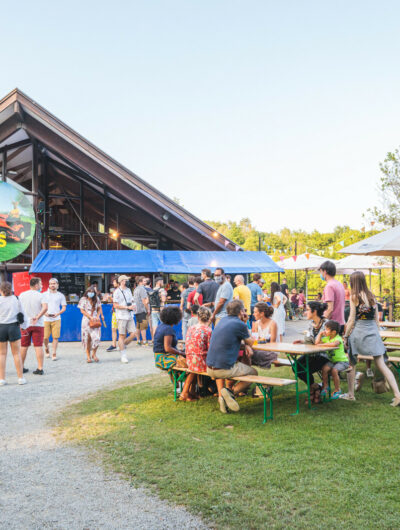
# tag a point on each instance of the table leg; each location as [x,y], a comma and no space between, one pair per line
[267,392]
[293,360]
[177,377]
[295,364]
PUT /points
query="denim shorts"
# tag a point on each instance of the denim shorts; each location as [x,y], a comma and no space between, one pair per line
[10,332]
[155,318]
[340,367]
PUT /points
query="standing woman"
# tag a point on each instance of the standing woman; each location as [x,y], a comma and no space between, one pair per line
[278,301]
[10,310]
[91,310]
[362,335]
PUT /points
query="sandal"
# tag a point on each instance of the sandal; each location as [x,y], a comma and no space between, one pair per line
[88,360]
[95,358]
[188,398]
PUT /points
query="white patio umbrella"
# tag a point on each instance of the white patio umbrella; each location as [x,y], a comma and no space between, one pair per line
[304,262]
[384,244]
[365,264]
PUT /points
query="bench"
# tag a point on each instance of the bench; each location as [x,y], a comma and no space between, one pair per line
[392,346]
[265,384]
[395,361]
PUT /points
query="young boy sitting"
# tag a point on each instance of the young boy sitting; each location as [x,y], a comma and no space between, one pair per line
[338,361]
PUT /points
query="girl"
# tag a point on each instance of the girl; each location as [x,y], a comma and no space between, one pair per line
[278,301]
[362,335]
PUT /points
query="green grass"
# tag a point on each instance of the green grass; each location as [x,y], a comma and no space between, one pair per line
[336,467]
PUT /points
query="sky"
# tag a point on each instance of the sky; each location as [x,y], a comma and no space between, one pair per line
[276,111]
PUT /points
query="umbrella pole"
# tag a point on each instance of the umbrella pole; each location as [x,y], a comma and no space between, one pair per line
[306,285]
[380,283]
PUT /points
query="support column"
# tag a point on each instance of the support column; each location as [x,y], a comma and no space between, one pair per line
[4,166]
[35,190]
[81,205]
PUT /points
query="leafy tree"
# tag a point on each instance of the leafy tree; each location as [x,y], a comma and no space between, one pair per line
[389,190]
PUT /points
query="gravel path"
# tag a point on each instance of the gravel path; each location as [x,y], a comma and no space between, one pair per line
[44,484]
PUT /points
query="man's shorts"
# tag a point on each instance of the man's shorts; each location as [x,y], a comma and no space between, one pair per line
[53,329]
[114,324]
[125,326]
[237,370]
[10,332]
[141,321]
[155,318]
[340,367]
[34,334]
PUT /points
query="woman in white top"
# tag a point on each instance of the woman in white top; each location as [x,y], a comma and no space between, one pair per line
[10,331]
[278,301]
[264,329]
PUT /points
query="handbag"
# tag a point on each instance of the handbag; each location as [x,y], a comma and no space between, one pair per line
[20,314]
[380,386]
[94,322]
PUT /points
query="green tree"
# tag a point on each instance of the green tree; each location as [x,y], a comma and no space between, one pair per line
[389,190]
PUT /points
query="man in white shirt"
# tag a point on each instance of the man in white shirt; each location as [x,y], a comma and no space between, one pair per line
[57,304]
[35,307]
[124,307]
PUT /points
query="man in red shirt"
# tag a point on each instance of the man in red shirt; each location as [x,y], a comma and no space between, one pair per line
[190,300]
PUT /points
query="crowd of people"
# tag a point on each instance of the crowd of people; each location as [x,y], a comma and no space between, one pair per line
[223,320]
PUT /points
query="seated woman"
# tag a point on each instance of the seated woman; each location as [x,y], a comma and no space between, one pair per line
[315,314]
[267,331]
[197,343]
[164,345]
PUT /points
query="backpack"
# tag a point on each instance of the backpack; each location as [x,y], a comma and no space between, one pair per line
[154,297]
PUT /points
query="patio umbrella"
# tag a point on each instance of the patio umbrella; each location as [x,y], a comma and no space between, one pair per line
[304,262]
[365,264]
[384,244]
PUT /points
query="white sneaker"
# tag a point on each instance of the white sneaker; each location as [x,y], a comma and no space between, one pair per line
[347,397]
[370,373]
[3,382]
[124,358]
[22,381]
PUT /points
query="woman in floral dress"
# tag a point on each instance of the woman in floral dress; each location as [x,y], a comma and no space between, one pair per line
[198,341]
[91,310]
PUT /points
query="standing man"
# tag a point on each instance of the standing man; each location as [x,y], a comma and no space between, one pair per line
[256,292]
[223,297]
[208,288]
[157,300]
[333,294]
[56,305]
[242,292]
[190,300]
[123,305]
[141,311]
[189,287]
[35,307]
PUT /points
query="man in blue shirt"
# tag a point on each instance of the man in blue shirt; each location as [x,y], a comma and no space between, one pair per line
[223,297]
[256,292]
[222,356]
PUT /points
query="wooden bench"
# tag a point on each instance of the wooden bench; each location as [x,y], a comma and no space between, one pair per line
[395,361]
[265,384]
[392,346]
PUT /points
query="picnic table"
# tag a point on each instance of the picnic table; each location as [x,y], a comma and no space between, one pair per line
[293,352]
[389,334]
[388,324]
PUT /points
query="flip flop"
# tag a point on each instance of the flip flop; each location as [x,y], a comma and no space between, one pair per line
[88,360]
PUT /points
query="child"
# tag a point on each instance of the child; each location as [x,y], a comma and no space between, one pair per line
[338,361]
[193,320]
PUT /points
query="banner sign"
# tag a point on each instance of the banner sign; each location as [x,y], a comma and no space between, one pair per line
[17,222]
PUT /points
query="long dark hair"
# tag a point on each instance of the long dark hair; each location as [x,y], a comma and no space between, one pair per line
[319,307]
[94,300]
[360,294]
[275,288]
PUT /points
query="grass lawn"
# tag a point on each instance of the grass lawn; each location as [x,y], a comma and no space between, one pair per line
[336,467]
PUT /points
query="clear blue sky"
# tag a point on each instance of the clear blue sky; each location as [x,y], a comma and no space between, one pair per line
[277,111]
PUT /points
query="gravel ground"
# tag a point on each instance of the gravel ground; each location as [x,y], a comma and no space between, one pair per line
[45,484]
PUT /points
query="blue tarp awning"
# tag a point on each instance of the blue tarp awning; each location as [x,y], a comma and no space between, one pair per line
[168,261]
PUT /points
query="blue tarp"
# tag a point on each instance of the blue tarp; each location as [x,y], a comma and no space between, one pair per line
[168,261]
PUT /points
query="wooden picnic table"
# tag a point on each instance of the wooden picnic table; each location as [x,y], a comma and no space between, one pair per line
[388,324]
[293,352]
[390,334]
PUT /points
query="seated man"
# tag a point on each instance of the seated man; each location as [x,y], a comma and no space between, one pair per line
[222,357]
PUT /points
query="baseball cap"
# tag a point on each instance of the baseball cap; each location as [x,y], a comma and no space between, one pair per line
[123,277]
